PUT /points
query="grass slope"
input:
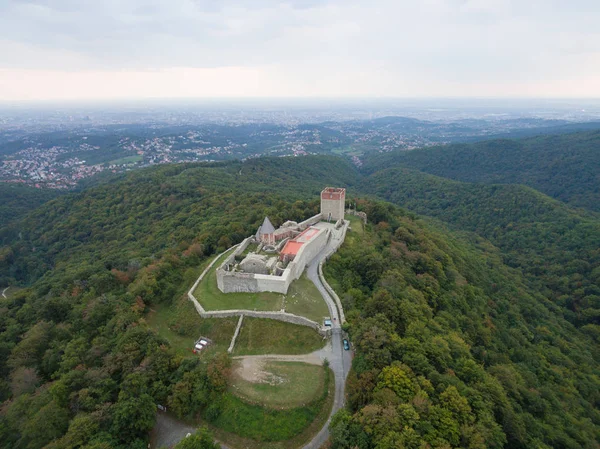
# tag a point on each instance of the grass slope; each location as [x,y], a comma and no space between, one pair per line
[264,336]
[266,426]
[181,326]
[287,385]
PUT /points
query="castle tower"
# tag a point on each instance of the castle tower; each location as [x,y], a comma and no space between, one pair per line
[333,203]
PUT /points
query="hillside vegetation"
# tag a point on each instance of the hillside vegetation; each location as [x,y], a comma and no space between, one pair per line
[453,349]
[127,221]
[481,335]
[17,200]
[565,167]
[79,365]
[557,248]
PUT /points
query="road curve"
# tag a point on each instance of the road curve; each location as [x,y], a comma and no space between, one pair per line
[341,360]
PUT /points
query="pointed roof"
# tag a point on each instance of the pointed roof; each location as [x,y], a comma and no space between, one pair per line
[266,227]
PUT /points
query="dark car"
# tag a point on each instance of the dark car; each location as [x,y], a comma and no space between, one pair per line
[346,345]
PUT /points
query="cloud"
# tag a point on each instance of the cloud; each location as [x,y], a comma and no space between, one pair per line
[393,46]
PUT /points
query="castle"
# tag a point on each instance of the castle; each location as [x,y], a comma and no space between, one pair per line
[273,258]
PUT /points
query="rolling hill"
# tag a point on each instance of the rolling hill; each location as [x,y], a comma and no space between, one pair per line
[565,167]
[463,324]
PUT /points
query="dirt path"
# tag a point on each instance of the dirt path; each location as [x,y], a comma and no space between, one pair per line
[168,431]
[251,367]
[4,292]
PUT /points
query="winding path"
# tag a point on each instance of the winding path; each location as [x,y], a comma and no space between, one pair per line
[4,291]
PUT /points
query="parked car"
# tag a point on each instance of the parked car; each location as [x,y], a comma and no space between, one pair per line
[327,323]
[346,345]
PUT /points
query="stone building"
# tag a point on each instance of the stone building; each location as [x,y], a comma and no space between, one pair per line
[266,232]
[333,202]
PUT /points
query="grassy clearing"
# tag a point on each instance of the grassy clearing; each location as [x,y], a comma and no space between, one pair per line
[9,292]
[357,225]
[304,299]
[243,425]
[285,385]
[127,160]
[264,336]
[181,325]
[211,298]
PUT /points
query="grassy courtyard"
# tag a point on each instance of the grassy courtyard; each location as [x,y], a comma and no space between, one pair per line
[264,336]
[281,385]
[302,299]
[181,325]
[211,298]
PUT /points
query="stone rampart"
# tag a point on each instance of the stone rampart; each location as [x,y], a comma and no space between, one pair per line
[330,290]
[309,222]
[361,215]
[281,316]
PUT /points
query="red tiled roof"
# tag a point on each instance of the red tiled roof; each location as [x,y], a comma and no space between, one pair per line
[293,246]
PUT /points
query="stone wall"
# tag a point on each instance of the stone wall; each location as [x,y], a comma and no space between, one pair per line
[311,221]
[333,204]
[330,290]
[281,316]
[307,252]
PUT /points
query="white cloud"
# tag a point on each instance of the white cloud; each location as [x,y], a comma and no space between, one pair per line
[334,47]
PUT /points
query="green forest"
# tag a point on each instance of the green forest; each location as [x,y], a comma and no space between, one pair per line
[473,304]
[18,200]
[565,167]
[453,349]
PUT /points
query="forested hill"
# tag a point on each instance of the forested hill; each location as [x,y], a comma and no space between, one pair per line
[565,167]
[79,365]
[453,349]
[556,247]
[17,200]
[158,208]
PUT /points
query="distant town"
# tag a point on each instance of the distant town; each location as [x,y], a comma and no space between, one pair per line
[58,148]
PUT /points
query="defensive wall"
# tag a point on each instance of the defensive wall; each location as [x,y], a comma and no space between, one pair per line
[330,290]
[238,282]
[281,316]
[309,222]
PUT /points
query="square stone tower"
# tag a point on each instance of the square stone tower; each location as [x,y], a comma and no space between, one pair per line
[333,203]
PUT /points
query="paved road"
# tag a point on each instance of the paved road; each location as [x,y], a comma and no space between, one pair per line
[341,360]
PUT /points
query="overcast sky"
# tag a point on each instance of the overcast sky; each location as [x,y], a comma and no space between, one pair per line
[85,49]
